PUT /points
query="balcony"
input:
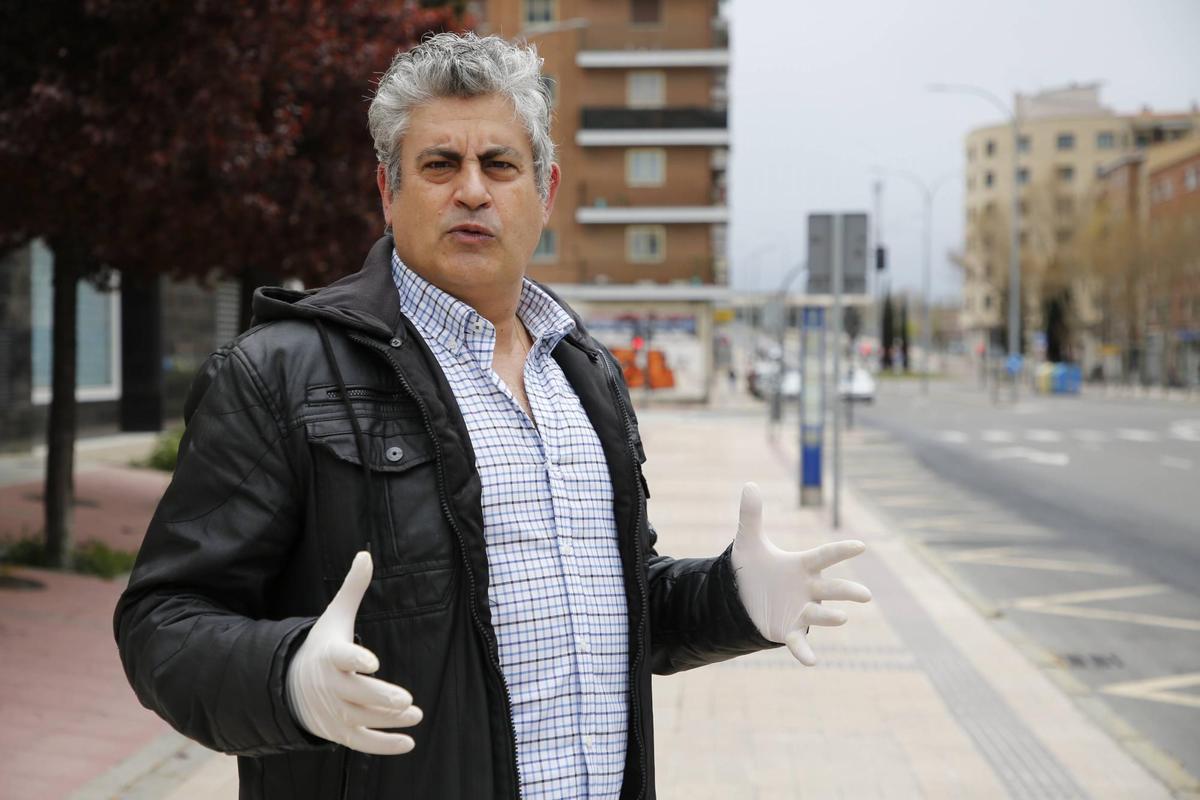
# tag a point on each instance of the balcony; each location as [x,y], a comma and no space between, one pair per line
[651,46]
[620,118]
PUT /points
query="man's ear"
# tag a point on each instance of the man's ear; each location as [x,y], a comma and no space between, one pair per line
[555,179]
[385,197]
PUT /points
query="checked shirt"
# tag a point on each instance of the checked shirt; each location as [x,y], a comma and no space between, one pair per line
[556,592]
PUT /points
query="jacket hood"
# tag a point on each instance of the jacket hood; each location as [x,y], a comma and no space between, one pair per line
[366,300]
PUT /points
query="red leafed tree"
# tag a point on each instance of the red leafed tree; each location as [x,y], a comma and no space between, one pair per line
[152,137]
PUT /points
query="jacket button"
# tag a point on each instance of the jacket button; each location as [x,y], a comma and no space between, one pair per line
[394,342]
[394,454]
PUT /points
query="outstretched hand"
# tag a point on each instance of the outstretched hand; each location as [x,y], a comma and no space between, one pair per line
[328,683]
[783,590]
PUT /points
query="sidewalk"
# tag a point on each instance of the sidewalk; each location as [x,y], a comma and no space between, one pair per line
[918,696]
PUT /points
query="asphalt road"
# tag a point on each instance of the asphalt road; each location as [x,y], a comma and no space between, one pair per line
[1074,520]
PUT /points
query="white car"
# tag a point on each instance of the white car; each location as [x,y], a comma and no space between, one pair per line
[857,385]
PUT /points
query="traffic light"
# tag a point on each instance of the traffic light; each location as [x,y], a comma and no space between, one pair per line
[880,258]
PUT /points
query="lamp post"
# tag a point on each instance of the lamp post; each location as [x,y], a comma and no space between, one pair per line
[928,191]
[1014,252]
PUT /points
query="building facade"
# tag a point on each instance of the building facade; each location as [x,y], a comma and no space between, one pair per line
[1066,139]
[641,128]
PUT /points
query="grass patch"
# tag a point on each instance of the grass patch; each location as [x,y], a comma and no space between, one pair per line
[90,557]
[165,452]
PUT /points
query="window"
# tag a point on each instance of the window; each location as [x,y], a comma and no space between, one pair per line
[987,301]
[539,12]
[1106,140]
[547,247]
[1064,204]
[1065,174]
[646,89]
[645,11]
[98,360]
[988,179]
[645,166]
[1065,141]
[990,148]
[1024,145]
[646,244]
[1023,175]
[1191,179]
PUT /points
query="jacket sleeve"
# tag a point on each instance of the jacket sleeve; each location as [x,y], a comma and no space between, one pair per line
[191,626]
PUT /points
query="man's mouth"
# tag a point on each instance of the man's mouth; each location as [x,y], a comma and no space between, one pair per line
[471,232]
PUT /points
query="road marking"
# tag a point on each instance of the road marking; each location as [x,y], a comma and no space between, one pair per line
[1159,689]
[1089,435]
[1175,463]
[1136,435]
[952,437]
[1031,455]
[1186,429]
[1011,557]
[1043,435]
[1071,605]
[996,437]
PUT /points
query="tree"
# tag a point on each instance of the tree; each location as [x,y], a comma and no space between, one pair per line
[218,138]
[888,332]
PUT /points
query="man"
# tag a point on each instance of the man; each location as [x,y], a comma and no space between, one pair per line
[423,485]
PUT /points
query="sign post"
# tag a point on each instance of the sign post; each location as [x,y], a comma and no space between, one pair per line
[812,403]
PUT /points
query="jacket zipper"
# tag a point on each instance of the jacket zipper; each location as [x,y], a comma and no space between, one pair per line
[640,575]
[493,648]
[334,394]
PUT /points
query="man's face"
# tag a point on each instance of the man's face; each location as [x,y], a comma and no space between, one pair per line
[466,214]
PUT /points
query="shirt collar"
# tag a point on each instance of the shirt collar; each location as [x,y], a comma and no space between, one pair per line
[455,325]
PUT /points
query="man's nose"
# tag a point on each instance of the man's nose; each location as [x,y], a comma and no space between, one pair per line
[472,190]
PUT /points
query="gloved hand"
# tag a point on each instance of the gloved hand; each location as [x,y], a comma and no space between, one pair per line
[327,685]
[782,590]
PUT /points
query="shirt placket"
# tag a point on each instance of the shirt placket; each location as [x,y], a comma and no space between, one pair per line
[569,554]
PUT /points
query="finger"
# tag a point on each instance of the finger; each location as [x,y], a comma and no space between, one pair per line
[750,515]
[827,555]
[814,614]
[366,691]
[344,605]
[797,643]
[375,717]
[838,589]
[365,740]
[350,657]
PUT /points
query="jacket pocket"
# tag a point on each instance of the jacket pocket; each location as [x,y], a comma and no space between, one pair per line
[413,557]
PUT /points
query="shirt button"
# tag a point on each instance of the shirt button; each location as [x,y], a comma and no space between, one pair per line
[394,342]
[584,645]
[394,454]
[567,550]
[587,741]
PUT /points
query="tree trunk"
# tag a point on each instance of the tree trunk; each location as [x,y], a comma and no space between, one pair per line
[59,492]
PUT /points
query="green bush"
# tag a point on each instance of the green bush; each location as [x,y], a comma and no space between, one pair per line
[89,558]
[166,451]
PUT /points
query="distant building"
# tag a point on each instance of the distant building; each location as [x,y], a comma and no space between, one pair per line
[642,131]
[1067,138]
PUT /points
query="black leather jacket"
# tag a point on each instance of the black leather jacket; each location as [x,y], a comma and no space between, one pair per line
[283,476]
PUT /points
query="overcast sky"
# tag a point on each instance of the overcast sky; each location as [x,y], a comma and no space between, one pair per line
[821,91]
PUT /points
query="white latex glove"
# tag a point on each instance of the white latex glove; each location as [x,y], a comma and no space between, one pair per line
[327,685]
[782,590]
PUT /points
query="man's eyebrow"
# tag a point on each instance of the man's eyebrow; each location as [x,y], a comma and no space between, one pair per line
[453,155]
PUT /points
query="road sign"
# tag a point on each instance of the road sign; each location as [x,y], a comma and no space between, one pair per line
[853,249]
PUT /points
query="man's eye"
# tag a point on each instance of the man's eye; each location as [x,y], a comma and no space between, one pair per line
[500,165]
[438,165]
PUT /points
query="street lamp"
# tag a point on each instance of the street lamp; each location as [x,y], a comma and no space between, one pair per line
[927,190]
[1014,254]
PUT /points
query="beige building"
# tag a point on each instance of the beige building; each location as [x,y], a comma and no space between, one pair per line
[1066,139]
[641,127]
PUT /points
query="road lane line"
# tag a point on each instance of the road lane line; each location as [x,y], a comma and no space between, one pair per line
[1071,604]
[1136,435]
[1031,455]
[1159,689]
[1186,429]
[1176,463]
[952,437]
[1011,557]
[996,437]
[1043,435]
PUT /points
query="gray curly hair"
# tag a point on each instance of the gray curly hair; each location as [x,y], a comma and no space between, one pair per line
[449,65]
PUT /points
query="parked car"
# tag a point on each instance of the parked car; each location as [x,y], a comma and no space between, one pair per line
[857,385]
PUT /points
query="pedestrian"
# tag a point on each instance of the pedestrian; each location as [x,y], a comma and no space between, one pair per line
[405,551]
